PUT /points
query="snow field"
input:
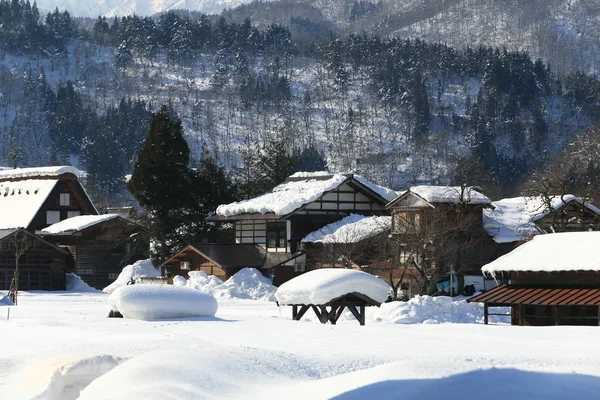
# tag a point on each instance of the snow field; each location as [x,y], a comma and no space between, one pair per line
[254,350]
[154,302]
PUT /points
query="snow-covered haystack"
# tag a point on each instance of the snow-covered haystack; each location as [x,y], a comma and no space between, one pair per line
[432,310]
[76,284]
[323,285]
[151,302]
[248,283]
[139,269]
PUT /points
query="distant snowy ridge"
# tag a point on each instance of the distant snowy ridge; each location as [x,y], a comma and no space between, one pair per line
[112,8]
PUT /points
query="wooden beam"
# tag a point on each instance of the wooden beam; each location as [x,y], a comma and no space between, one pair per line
[485,313]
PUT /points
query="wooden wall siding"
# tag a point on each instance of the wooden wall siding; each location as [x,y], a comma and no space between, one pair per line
[342,200]
[78,199]
[42,268]
[103,258]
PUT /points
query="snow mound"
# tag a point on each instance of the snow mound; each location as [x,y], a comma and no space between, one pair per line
[152,302]
[76,284]
[204,373]
[5,301]
[433,310]
[248,283]
[323,285]
[68,381]
[139,269]
[179,280]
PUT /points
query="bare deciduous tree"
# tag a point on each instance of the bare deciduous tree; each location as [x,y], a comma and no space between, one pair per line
[19,243]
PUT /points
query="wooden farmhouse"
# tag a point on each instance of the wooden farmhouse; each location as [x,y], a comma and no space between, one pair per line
[276,223]
[34,198]
[440,229]
[553,279]
[42,265]
[101,245]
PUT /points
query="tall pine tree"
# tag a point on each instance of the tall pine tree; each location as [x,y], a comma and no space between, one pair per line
[163,183]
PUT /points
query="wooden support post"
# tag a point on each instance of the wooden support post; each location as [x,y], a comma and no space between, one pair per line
[520,308]
[598,315]
[555,315]
[362,315]
[300,313]
[485,313]
[295,312]
[358,314]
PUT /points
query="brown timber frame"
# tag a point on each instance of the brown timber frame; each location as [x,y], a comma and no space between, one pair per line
[332,310]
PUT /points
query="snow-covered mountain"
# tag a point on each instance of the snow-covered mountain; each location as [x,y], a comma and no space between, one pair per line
[111,8]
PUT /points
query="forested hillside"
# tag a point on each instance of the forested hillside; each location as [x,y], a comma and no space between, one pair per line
[399,111]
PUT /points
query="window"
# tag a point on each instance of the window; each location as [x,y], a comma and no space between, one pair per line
[71,214]
[276,234]
[406,222]
[85,271]
[52,217]
[113,276]
[65,199]
[184,265]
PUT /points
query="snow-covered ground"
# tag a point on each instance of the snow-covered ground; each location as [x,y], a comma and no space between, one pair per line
[56,344]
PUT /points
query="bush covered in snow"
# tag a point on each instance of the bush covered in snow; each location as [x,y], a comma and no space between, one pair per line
[248,283]
[76,284]
[151,302]
[139,269]
[433,310]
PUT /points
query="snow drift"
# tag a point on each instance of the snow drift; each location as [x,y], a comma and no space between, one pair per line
[248,283]
[76,284]
[139,269]
[433,310]
[323,285]
[152,302]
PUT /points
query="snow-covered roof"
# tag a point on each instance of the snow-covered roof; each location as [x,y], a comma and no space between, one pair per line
[20,173]
[570,251]
[20,201]
[79,223]
[310,174]
[387,193]
[291,195]
[351,229]
[450,194]
[323,285]
[513,219]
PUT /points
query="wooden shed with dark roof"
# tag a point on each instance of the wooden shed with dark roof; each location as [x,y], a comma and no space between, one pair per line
[42,265]
[224,260]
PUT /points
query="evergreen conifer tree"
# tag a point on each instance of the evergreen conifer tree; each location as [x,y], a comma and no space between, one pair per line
[163,183]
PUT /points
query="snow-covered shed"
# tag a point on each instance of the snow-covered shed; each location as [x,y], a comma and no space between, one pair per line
[306,202]
[42,265]
[519,218]
[225,260]
[101,245]
[554,280]
[329,291]
[33,198]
